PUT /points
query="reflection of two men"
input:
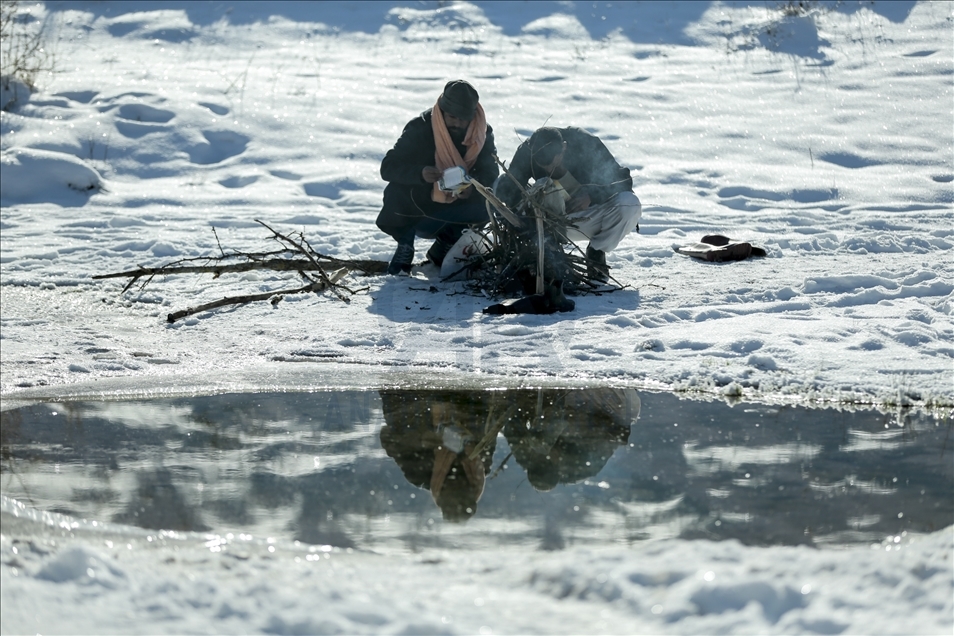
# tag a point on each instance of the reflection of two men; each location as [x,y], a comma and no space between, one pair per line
[444,441]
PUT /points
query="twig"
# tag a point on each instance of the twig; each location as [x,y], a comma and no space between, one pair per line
[217,242]
[301,248]
[241,300]
[500,206]
[233,300]
[276,264]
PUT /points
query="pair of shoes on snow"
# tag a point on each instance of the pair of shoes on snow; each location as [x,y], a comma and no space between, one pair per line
[716,248]
[738,253]
[403,259]
[596,267]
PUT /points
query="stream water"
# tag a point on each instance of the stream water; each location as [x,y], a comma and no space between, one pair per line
[402,470]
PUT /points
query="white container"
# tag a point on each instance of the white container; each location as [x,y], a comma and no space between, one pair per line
[453,180]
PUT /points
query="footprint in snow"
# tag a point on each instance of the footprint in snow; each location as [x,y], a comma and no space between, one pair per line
[239,181]
[218,109]
[222,144]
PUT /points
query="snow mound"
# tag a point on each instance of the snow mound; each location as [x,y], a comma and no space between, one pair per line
[558,26]
[44,176]
[81,565]
[168,26]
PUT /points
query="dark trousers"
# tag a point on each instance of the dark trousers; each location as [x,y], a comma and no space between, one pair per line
[408,212]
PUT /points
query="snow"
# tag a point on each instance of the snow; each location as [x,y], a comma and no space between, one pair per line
[169,582]
[823,135]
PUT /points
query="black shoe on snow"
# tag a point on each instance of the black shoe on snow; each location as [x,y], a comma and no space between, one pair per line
[445,241]
[403,259]
[596,267]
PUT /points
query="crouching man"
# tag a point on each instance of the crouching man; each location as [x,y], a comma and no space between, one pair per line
[592,189]
[454,132]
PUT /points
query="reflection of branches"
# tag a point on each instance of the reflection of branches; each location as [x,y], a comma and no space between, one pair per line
[947,436]
[10,421]
[503,464]
[492,428]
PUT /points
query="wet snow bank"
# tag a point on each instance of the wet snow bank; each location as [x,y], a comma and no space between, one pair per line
[126,579]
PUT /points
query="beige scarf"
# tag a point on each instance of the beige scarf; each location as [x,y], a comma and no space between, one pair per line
[444,460]
[446,154]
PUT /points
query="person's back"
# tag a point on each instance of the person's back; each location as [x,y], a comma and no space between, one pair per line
[598,200]
[585,157]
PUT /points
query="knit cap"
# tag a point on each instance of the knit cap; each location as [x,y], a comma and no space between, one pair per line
[459,99]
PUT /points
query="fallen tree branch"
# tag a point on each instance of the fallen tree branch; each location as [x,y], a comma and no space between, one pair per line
[301,248]
[277,264]
[274,264]
[275,297]
[296,255]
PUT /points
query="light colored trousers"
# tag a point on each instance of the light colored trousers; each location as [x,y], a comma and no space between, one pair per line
[608,223]
[604,225]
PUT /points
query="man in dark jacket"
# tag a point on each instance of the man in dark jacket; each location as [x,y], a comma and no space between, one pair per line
[594,191]
[452,133]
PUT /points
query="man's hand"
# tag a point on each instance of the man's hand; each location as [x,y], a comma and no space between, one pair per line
[577,203]
[430,174]
[466,192]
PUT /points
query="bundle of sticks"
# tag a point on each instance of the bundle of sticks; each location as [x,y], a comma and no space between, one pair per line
[529,247]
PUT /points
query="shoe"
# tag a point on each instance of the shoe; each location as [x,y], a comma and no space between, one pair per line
[731,252]
[445,241]
[596,267]
[403,259]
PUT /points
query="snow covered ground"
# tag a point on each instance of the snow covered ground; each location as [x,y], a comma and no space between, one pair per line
[823,134]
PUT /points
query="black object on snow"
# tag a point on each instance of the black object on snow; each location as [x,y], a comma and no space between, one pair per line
[716,248]
[550,301]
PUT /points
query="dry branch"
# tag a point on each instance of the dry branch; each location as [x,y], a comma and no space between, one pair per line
[301,248]
[499,205]
[296,255]
[274,296]
[274,264]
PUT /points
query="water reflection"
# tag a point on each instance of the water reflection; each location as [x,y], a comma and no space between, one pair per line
[444,441]
[158,503]
[568,436]
[403,469]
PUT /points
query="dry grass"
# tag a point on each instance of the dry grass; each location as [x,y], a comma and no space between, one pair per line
[23,54]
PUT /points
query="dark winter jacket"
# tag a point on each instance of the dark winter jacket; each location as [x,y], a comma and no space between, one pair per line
[586,158]
[415,149]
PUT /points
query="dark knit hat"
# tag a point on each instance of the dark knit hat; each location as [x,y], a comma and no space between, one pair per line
[545,144]
[459,99]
